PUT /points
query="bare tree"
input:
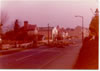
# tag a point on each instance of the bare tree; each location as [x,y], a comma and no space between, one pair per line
[3,20]
[4,17]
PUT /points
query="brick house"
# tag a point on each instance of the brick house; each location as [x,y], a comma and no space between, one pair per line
[53,32]
[77,32]
[30,29]
[44,31]
[26,32]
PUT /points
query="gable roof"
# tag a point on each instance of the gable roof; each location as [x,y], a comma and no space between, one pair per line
[45,28]
[28,28]
[31,27]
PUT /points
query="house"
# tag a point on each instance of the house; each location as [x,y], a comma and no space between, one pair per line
[54,33]
[86,32]
[44,31]
[59,32]
[77,32]
[25,33]
[28,31]
[62,32]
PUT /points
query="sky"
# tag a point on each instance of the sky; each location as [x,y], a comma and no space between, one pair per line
[54,12]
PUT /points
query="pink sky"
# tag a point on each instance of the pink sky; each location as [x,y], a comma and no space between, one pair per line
[54,12]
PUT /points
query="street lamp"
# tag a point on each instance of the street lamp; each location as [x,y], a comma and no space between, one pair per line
[48,34]
[1,36]
[82,26]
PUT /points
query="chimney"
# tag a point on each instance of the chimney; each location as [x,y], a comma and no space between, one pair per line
[25,24]
[16,22]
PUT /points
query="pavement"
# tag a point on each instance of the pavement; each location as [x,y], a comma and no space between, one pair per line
[10,51]
[42,58]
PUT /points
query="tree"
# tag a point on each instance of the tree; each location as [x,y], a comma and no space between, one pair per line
[3,20]
[94,29]
[88,56]
[16,26]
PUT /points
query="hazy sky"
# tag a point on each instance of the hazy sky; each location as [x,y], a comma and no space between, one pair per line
[54,12]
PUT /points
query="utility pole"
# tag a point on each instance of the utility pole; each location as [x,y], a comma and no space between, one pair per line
[82,30]
[0,36]
[48,34]
[82,27]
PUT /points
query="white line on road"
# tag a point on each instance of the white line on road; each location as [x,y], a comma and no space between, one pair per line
[23,58]
[62,61]
[30,55]
[51,60]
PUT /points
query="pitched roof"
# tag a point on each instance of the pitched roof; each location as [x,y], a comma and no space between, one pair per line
[45,28]
[28,28]
[31,27]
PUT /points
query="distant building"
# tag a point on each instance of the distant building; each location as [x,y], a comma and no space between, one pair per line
[27,32]
[30,29]
[86,32]
[59,32]
[0,30]
[54,33]
[77,32]
[44,31]
[62,32]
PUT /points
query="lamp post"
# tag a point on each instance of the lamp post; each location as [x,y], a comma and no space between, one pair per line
[82,26]
[1,36]
[48,34]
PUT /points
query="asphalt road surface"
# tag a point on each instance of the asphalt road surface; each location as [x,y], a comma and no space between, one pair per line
[42,58]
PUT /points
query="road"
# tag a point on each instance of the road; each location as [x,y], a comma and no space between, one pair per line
[42,58]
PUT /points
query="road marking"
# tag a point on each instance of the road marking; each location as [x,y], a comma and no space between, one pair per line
[62,54]
[5,56]
[59,55]
[23,57]
[30,55]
